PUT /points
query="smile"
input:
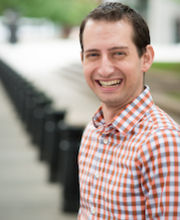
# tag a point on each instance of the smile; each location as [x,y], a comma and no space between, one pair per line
[109,83]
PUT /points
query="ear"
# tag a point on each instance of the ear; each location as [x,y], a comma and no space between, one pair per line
[147,58]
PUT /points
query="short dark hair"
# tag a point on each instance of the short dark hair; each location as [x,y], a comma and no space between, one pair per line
[115,11]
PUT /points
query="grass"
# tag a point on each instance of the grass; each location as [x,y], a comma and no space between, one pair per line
[169,69]
[175,67]
[175,94]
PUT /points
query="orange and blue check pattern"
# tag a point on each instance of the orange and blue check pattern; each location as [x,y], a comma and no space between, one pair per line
[130,168]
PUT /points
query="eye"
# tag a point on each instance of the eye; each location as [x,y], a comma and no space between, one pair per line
[92,56]
[118,53]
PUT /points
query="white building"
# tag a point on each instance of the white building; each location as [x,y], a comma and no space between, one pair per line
[164,21]
[162,16]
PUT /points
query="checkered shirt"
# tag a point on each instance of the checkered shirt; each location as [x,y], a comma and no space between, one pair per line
[129,169]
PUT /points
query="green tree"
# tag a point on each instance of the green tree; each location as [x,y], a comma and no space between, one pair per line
[67,13]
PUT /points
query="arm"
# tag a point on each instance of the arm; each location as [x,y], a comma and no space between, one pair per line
[160,175]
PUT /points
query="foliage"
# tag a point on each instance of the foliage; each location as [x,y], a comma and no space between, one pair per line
[175,67]
[178,1]
[66,12]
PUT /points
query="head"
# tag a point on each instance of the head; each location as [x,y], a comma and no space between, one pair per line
[116,52]
[114,11]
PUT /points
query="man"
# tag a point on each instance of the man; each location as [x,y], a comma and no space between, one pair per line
[130,152]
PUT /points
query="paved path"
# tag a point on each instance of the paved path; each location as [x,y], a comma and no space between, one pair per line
[25,193]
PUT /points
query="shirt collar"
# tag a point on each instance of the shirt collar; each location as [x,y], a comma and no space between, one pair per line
[128,116]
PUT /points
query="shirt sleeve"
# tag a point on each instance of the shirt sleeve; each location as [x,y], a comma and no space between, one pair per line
[160,180]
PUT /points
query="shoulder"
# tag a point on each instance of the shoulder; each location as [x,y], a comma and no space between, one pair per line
[156,122]
[163,135]
[164,130]
[154,126]
[161,120]
[88,130]
[163,144]
[90,126]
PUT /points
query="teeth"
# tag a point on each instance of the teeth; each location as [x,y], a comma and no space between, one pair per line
[110,83]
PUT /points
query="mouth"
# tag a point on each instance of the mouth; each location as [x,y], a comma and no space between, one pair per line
[110,83]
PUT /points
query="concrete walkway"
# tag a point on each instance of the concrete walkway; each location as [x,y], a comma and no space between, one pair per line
[25,193]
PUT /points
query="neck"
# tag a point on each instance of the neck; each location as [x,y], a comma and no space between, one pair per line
[109,113]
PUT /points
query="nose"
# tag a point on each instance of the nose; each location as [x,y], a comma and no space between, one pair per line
[105,67]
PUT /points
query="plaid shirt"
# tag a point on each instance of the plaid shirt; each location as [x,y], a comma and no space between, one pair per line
[129,169]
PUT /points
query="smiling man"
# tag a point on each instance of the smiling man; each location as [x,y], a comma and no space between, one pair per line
[130,151]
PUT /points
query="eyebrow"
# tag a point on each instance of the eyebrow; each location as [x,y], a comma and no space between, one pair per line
[91,50]
[118,48]
[110,49]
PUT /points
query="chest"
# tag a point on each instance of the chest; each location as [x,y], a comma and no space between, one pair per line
[110,175]
[110,159]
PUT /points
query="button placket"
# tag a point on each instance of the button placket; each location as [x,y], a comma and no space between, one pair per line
[105,140]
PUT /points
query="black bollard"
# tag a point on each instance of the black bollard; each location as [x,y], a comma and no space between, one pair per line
[69,146]
[51,142]
[38,121]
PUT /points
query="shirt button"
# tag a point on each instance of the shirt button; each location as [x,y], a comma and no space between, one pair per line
[97,175]
[105,141]
[93,211]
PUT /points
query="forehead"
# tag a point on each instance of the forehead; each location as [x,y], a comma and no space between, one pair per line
[98,32]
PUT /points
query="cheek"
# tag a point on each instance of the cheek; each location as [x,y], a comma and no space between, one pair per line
[133,72]
[87,69]
[127,69]
[87,74]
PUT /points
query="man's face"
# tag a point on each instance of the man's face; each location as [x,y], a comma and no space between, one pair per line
[111,64]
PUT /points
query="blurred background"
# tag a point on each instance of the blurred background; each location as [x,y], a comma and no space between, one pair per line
[45,102]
